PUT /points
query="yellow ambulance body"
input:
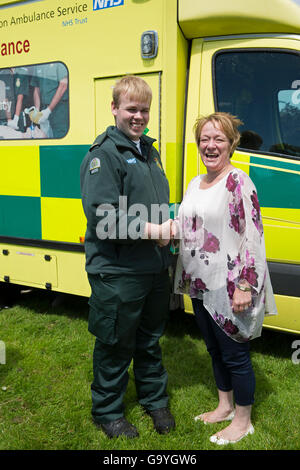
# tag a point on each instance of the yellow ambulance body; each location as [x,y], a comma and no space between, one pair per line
[198,57]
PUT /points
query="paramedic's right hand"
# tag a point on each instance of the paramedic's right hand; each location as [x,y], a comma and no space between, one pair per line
[45,113]
[160,233]
[13,123]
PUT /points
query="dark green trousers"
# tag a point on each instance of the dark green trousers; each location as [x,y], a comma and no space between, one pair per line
[128,315]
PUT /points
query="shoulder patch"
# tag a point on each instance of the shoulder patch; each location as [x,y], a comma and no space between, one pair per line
[94,165]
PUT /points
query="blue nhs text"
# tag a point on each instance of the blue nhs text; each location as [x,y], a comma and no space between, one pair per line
[101,4]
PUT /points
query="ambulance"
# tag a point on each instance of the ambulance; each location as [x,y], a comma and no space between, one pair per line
[59,60]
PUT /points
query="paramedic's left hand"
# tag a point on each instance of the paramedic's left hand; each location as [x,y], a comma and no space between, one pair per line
[45,115]
[13,123]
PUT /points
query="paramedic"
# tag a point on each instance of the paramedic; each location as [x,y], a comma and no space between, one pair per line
[127,260]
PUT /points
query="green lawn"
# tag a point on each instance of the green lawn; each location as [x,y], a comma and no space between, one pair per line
[45,385]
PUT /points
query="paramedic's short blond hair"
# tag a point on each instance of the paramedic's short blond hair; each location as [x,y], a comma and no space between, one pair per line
[134,87]
[228,124]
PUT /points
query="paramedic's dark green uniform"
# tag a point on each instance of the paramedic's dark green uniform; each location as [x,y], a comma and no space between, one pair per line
[128,276]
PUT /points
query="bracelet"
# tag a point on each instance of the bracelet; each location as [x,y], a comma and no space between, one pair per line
[243,288]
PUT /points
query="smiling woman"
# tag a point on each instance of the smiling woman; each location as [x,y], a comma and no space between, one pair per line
[222,266]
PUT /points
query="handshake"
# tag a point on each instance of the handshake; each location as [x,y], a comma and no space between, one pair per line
[162,234]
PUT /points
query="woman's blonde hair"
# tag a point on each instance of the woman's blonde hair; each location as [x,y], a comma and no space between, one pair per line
[228,124]
[134,87]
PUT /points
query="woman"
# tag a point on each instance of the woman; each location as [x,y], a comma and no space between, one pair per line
[222,266]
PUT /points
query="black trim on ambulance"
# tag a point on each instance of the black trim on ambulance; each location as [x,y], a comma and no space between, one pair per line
[54,245]
[285,278]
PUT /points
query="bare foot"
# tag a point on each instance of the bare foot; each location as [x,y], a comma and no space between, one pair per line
[215,416]
[233,433]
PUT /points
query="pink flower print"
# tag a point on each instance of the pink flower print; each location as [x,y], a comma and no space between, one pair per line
[211,243]
[230,328]
[197,223]
[230,288]
[241,211]
[185,276]
[186,223]
[249,259]
[232,263]
[250,275]
[219,318]
[199,284]
[226,324]
[234,222]
[196,286]
[255,202]
[256,213]
[237,213]
[231,182]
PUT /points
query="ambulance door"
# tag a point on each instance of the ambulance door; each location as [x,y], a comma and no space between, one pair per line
[103,99]
[257,79]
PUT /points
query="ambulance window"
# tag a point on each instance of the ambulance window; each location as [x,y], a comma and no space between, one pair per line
[34,102]
[261,88]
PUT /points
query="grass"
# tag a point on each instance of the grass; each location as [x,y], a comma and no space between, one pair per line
[45,385]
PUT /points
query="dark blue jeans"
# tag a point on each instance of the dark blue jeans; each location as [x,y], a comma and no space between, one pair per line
[230,360]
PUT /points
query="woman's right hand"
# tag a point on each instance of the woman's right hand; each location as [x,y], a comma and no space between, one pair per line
[175,232]
[164,233]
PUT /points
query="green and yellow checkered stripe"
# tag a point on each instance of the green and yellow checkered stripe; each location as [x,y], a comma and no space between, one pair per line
[40,192]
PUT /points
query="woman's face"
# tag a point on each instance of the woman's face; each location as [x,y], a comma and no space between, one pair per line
[214,147]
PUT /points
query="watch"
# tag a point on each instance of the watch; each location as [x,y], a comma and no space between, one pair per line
[243,288]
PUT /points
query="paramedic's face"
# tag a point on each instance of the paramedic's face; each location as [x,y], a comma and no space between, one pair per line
[214,147]
[132,116]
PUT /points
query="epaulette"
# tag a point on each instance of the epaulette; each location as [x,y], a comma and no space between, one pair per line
[94,146]
[99,140]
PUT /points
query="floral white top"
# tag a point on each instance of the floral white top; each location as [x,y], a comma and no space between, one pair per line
[221,242]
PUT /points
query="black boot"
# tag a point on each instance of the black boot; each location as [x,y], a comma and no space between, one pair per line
[118,427]
[163,420]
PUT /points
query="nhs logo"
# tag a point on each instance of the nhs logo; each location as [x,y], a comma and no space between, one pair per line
[101,4]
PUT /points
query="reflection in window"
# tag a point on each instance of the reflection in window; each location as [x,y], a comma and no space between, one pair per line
[289,113]
[257,87]
[34,102]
